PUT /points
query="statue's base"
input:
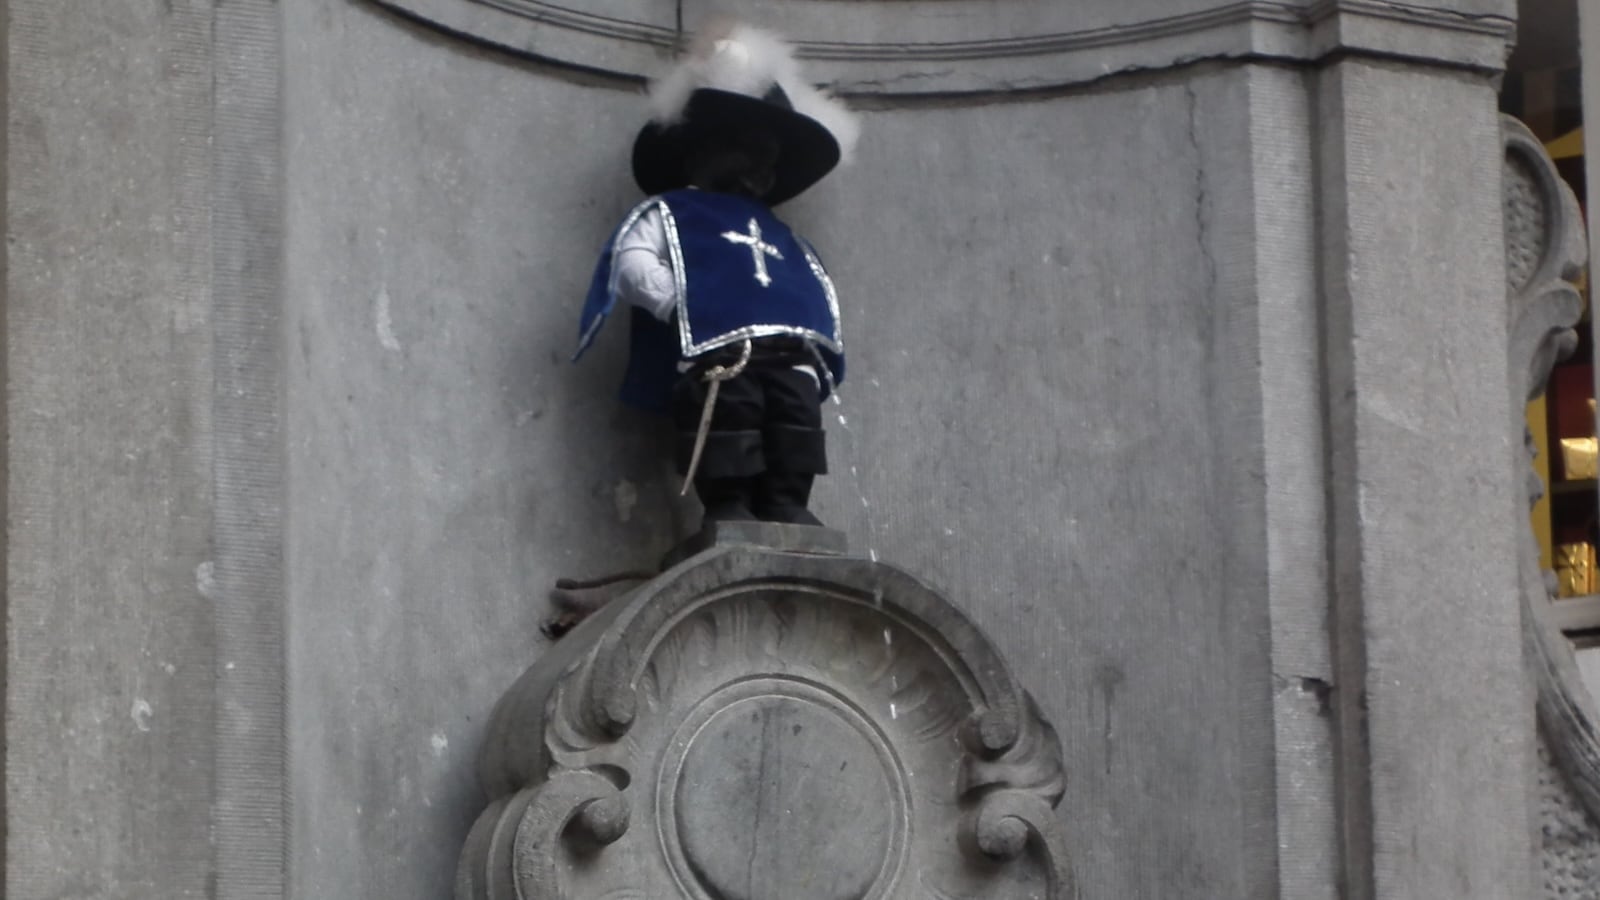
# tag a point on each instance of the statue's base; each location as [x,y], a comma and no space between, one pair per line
[718,691]
[812,539]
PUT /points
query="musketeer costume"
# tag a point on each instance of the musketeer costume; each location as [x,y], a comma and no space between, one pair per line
[734,320]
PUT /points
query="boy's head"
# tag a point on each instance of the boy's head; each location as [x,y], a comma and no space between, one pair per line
[734,161]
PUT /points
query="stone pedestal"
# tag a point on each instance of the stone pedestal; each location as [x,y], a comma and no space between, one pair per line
[770,724]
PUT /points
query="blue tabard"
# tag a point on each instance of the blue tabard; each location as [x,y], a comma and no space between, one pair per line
[740,272]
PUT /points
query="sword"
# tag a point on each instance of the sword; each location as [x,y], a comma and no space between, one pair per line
[714,376]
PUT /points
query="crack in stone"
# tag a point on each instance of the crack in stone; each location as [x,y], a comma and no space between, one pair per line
[874,84]
[1201,198]
[767,747]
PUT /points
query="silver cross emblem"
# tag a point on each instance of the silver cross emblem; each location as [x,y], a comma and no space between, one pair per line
[759,249]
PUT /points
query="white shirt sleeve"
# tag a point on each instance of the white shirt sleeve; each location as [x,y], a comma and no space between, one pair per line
[644,267]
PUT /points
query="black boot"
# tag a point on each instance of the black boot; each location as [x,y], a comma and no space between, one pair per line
[725,478]
[782,497]
[726,499]
[795,456]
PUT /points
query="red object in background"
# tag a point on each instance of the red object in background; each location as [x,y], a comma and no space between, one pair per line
[1571,415]
[1571,534]
[1571,389]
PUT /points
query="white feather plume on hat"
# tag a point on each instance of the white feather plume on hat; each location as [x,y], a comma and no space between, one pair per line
[731,56]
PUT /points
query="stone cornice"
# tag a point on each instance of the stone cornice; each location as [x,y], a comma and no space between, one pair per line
[966,47]
[1431,15]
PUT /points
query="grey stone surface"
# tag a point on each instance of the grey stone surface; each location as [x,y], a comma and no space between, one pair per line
[110,706]
[1027,392]
[1127,573]
[1283,541]
[770,725]
[1121,290]
[945,46]
[248,819]
[783,797]
[1089,378]
[142,673]
[1428,738]
[446,463]
[1569,840]
[778,536]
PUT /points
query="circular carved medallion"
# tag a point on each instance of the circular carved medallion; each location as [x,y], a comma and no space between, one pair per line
[805,786]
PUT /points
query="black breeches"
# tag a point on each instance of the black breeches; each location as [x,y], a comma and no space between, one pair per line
[768,419]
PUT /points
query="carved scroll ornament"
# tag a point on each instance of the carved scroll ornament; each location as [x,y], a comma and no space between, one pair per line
[758,725]
[1545,251]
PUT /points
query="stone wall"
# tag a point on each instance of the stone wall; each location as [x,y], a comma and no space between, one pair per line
[110,689]
[1032,295]
[1116,343]
[1085,400]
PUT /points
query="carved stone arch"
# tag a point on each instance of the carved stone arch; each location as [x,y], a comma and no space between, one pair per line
[763,724]
[1545,251]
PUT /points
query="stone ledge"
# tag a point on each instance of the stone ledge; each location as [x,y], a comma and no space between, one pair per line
[871,49]
[783,538]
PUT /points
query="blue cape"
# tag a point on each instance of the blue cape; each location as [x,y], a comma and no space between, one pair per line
[740,273]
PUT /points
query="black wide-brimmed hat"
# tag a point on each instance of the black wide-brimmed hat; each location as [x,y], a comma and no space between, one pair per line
[736,82]
[807,150]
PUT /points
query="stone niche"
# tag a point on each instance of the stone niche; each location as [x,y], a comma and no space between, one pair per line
[764,724]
